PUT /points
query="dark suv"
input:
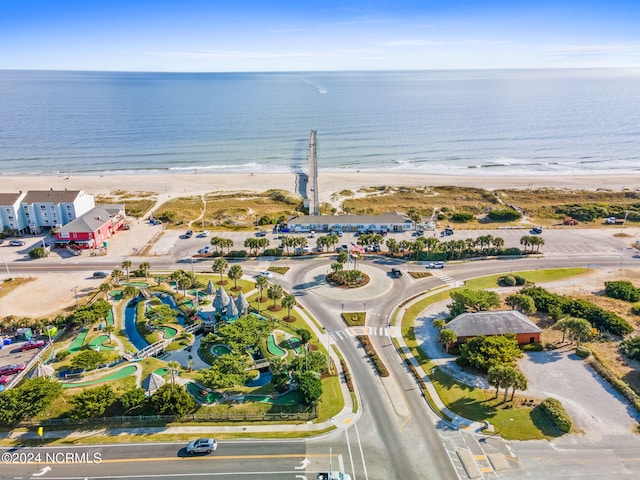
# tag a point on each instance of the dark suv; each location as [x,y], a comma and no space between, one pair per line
[396,272]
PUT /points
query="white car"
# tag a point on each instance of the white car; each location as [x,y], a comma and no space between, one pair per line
[435,265]
[266,274]
[16,243]
[202,445]
[206,233]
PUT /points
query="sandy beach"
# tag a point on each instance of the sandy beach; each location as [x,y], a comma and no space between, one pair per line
[172,184]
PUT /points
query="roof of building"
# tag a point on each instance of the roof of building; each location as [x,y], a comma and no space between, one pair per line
[498,322]
[390,217]
[51,196]
[9,198]
[93,219]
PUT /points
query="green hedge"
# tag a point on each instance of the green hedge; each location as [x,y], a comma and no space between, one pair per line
[614,381]
[377,361]
[533,347]
[504,215]
[582,351]
[546,301]
[555,412]
[622,290]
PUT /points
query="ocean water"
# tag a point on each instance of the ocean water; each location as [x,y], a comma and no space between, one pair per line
[466,122]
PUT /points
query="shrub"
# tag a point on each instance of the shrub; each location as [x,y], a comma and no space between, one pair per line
[520,280]
[582,351]
[555,412]
[533,347]
[511,251]
[622,290]
[635,309]
[508,281]
[37,252]
[61,355]
[272,252]
[237,253]
[377,361]
[461,217]
[347,376]
[504,215]
[547,302]
[631,348]
[614,381]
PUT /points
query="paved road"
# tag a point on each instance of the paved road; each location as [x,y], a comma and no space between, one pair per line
[396,435]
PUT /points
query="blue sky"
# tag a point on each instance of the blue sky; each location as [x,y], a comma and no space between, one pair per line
[274,35]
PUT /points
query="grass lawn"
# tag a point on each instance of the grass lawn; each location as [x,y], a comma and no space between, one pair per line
[515,423]
[331,402]
[354,319]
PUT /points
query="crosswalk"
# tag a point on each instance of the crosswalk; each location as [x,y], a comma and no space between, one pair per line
[444,278]
[355,331]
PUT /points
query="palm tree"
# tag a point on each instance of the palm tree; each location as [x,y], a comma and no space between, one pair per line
[447,337]
[116,274]
[105,287]
[519,382]
[219,266]
[525,240]
[261,284]
[126,264]
[288,302]
[274,292]
[183,282]
[235,272]
[173,369]
[498,376]
[108,329]
[145,267]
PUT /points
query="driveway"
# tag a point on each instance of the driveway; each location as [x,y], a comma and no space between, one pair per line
[593,405]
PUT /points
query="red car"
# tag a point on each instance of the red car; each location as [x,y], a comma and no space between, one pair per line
[31,345]
[4,379]
[11,369]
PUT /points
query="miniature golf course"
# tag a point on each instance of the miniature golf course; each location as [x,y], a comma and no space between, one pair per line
[203,395]
[122,373]
[273,348]
[219,350]
[296,345]
[78,341]
[100,341]
[169,332]
[110,317]
[290,398]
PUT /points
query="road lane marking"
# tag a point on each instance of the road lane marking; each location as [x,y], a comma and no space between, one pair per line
[203,457]
[364,465]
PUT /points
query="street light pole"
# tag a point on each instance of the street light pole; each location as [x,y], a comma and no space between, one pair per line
[75,291]
[7,267]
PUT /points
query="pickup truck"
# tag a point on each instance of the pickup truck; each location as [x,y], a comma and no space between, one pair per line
[333,476]
[614,221]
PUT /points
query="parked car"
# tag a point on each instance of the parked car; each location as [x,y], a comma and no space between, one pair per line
[11,369]
[100,275]
[396,272]
[536,230]
[202,445]
[306,248]
[31,345]
[4,379]
[188,234]
[205,250]
[204,234]
[261,233]
[435,265]
[265,273]
[16,243]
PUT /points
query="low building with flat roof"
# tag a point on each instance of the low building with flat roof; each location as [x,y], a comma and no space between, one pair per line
[385,222]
